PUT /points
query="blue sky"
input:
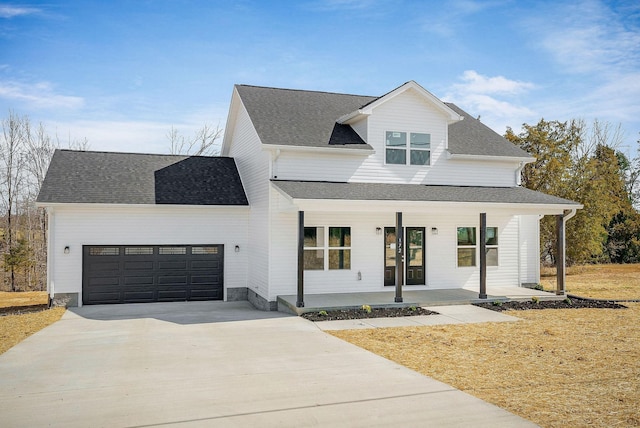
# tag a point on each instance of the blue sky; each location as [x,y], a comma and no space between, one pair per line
[122,73]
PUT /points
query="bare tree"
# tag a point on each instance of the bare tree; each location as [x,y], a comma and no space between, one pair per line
[40,149]
[12,161]
[202,143]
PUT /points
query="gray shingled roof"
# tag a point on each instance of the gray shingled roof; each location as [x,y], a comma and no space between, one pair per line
[308,118]
[130,178]
[415,192]
[472,137]
[302,118]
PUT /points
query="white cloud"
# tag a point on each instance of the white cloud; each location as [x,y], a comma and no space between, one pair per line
[489,98]
[477,83]
[9,11]
[40,95]
[588,37]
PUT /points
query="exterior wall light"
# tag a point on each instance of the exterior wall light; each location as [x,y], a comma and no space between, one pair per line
[237,248]
[434,230]
[378,231]
[67,249]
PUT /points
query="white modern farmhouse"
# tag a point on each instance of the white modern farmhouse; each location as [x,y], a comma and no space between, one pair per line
[314,193]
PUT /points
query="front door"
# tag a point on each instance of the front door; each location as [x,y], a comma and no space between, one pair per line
[414,256]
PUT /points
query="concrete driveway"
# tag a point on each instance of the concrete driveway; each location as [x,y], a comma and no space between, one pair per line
[216,364]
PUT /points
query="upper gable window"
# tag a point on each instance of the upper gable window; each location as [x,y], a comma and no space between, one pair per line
[418,151]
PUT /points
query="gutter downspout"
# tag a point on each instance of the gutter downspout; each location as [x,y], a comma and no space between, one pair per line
[561,250]
[50,254]
[519,173]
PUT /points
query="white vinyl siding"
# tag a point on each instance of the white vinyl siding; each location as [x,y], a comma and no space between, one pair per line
[253,166]
[407,112]
[367,250]
[76,226]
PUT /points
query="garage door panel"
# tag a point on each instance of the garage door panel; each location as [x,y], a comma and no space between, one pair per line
[173,280]
[103,266]
[138,280]
[205,264]
[132,274]
[104,281]
[139,296]
[170,265]
[104,298]
[139,265]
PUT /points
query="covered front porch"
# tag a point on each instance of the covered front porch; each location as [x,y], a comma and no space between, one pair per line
[440,297]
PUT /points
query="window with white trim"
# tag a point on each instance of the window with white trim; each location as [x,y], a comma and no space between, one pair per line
[467,246]
[415,151]
[327,248]
[492,246]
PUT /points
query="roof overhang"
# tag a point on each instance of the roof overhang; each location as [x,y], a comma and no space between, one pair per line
[366,110]
[326,196]
[347,149]
[73,205]
[490,158]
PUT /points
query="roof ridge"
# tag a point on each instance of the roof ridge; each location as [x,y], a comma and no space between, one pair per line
[138,153]
[306,90]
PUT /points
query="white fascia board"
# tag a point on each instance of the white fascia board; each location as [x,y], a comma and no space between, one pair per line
[356,115]
[334,149]
[491,158]
[231,121]
[452,115]
[352,117]
[435,207]
[49,205]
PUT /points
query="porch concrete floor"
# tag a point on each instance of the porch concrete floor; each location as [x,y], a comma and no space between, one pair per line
[443,297]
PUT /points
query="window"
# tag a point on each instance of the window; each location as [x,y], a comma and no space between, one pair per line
[204,250]
[104,251]
[419,152]
[332,251]
[466,246]
[172,250]
[138,251]
[492,246]
[339,248]
[396,148]
[314,248]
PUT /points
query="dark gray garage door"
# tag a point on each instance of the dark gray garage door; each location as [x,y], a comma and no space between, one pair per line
[147,273]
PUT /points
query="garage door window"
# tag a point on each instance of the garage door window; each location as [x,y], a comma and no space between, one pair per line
[172,250]
[138,251]
[104,251]
[204,250]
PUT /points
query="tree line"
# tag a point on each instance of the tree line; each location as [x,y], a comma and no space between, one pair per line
[584,163]
[573,160]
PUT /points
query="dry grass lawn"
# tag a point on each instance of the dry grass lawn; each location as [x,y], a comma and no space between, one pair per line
[22,298]
[598,281]
[557,368]
[16,328]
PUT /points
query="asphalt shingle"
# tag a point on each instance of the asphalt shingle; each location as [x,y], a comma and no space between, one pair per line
[415,192]
[292,117]
[131,178]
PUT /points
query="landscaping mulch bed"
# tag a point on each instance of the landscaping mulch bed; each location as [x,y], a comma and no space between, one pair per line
[359,313]
[569,303]
[355,314]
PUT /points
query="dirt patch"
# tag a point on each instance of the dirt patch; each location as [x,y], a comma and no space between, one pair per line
[354,314]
